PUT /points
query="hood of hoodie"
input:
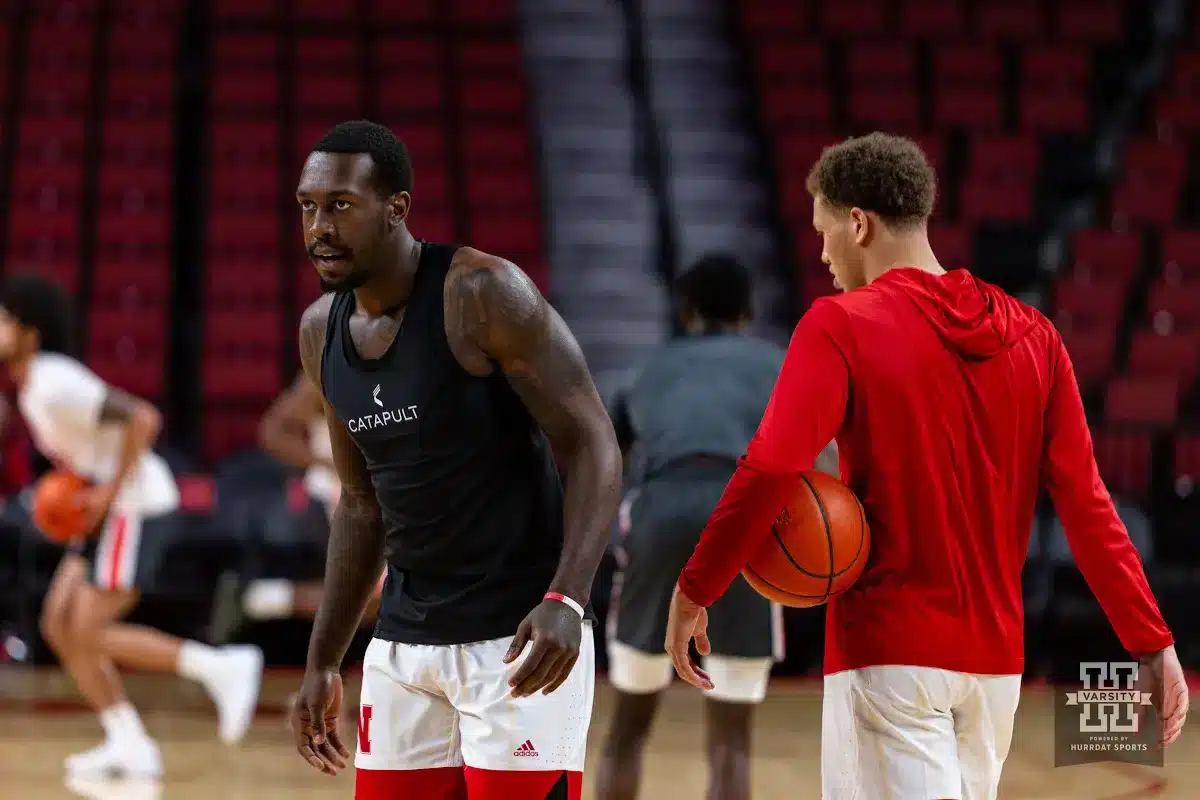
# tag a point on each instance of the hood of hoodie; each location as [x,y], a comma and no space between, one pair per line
[974,318]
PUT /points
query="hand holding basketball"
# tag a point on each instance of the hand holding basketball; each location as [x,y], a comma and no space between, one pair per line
[817,548]
[58,506]
[315,721]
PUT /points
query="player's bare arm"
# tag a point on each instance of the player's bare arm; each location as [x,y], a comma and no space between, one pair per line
[495,315]
[352,567]
[283,431]
[142,423]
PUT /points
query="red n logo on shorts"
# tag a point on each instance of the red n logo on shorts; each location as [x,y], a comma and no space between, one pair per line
[364,730]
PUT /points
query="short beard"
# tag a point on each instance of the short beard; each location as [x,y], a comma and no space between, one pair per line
[351,282]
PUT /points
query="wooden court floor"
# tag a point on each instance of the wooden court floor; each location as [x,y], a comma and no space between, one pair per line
[41,723]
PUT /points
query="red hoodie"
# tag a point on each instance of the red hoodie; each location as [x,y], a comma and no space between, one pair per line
[950,402]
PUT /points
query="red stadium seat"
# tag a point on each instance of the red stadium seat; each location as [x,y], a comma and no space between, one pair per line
[420,55]
[797,107]
[967,64]
[507,235]
[1018,20]
[334,11]
[764,18]
[489,59]
[234,51]
[873,64]
[389,11]
[485,12]
[1053,110]
[487,97]
[224,11]
[235,331]
[1056,65]
[857,19]
[138,141]
[1124,460]
[140,16]
[340,93]
[1178,113]
[246,187]
[1101,255]
[245,92]
[932,19]
[893,108]
[59,46]
[241,232]
[142,374]
[787,61]
[1181,253]
[1089,20]
[245,143]
[1171,356]
[424,93]
[227,430]
[1091,351]
[58,91]
[1186,461]
[1174,307]
[1146,202]
[1087,304]
[327,52]
[496,144]
[50,139]
[130,47]
[993,200]
[144,227]
[501,188]
[967,107]
[1148,401]
[240,377]
[432,225]
[425,142]
[1004,159]
[131,285]
[952,245]
[242,283]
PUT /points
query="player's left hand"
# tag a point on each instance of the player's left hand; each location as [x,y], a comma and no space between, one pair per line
[553,630]
[686,621]
[96,502]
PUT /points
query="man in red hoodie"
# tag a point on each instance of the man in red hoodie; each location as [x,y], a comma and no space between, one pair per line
[950,402]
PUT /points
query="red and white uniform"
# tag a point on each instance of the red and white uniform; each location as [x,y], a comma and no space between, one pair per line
[61,401]
[951,403]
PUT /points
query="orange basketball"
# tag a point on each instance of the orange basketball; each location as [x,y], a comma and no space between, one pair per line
[818,545]
[56,509]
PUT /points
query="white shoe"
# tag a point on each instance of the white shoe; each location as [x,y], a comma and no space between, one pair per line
[135,759]
[234,690]
[100,788]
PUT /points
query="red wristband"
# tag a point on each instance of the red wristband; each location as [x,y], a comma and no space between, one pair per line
[568,602]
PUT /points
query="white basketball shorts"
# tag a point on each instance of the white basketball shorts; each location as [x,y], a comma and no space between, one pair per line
[915,733]
[436,706]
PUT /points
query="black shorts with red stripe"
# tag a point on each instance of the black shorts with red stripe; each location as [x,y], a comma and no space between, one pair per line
[129,551]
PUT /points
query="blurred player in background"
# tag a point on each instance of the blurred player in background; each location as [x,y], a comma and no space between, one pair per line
[104,435]
[294,431]
[687,417]
[951,403]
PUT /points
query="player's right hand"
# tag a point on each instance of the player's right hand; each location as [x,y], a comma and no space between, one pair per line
[315,721]
[1163,676]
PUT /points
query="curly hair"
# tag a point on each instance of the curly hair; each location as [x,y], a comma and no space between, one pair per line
[393,170]
[886,174]
[37,303]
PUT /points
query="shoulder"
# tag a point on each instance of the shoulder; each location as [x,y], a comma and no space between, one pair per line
[489,282]
[54,372]
[314,322]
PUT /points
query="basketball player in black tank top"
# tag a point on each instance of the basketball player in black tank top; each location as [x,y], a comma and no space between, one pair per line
[446,377]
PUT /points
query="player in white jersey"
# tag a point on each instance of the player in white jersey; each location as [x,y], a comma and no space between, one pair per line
[104,435]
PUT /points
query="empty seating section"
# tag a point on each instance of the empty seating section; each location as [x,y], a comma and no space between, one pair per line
[984,85]
[93,126]
[446,76]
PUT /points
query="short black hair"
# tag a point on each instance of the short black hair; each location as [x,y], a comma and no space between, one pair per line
[887,174]
[718,287]
[393,170]
[37,303]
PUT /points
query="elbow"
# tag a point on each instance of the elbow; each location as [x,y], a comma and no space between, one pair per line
[268,434]
[148,421]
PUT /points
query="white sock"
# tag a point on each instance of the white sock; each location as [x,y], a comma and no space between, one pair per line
[269,599]
[199,662]
[122,723]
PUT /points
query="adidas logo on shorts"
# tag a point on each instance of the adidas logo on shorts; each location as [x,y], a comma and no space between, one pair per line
[526,750]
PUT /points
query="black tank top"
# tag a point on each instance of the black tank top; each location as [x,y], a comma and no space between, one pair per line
[471,498]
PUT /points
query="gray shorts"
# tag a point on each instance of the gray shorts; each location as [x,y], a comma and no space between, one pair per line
[666,518]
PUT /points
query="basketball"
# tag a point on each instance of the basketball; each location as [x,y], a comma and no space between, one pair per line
[56,510]
[817,548]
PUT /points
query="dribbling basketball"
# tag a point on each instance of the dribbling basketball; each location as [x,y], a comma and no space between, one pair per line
[818,546]
[58,506]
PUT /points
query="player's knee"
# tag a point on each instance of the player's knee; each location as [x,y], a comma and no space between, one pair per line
[54,625]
